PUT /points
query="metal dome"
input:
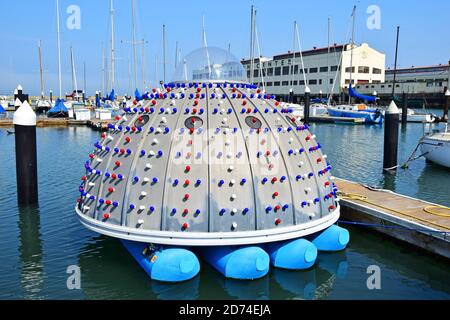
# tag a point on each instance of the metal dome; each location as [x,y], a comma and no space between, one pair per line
[208,163]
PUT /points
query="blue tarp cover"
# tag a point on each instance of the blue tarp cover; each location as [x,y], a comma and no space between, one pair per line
[112,95]
[137,95]
[318,100]
[59,107]
[353,93]
[2,110]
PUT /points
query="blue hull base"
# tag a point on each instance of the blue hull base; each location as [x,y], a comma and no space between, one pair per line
[170,264]
[332,239]
[164,264]
[244,263]
[369,117]
[299,254]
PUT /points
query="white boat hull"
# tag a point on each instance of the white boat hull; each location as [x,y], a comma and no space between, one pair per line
[437,150]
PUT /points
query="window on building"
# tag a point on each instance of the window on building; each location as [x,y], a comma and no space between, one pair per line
[376,71]
[285,83]
[320,81]
[278,71]
[312,82]
[248,73]
[363,69]
[269,84]
[376,81]
[323,69]
[295,82]
[382,86]
[347,81]
[334,68]
[331,81]
[270,72]
[348,69]
[301,82]
[295,69]
[276,84]
[313,70]
[430,83]
[285,70]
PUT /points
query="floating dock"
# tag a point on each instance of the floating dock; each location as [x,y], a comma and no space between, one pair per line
[62,122]
[420,223]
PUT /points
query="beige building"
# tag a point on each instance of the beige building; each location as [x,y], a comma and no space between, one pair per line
[324,71]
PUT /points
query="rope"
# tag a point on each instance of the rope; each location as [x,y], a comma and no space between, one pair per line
[359,197]
[364,224]
[428,210]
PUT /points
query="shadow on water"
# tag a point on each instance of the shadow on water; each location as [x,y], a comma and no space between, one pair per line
[30,252]
[399,264]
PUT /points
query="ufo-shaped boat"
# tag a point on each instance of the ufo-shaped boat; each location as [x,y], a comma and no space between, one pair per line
[211,165]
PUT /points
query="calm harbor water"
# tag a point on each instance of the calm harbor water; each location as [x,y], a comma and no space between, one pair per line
[37,245]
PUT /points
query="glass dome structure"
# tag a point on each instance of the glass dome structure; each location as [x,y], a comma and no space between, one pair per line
[211,64]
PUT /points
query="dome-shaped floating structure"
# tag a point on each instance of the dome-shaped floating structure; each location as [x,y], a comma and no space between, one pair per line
[216,165]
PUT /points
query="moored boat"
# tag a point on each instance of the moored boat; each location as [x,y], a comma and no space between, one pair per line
[435,147]
[59,110]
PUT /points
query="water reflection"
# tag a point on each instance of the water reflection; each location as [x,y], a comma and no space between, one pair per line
[30,252]
[331,266]
[109,272]
[301,284]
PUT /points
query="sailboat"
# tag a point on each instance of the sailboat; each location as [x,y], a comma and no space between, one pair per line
[42,105]
[435,146]
[361,110]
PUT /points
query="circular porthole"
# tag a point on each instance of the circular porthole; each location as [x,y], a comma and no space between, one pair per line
[141,121]
[253,122]
[193,122]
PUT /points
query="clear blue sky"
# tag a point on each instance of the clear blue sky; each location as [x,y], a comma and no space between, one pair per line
[424,38]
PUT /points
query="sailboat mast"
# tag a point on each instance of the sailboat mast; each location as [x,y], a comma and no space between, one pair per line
[293,57]
[143,64]
[103,69]
[134,42]
[74,74]
[176,54]
[84,76]
[395,66]
[41,69]
[164,53]
[59,48]
[351,52]
[113,58]
[251,45]
[328,56]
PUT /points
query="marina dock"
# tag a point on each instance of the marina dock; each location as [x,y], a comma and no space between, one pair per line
[417,222]
[62,122]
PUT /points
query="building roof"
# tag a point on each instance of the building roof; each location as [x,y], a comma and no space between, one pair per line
[435,68]
[305,53]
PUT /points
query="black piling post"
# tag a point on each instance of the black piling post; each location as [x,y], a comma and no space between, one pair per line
[291,95]
[307,104]
[390,137]
[446,104]
[405,109]
[26,158]
[51,96]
